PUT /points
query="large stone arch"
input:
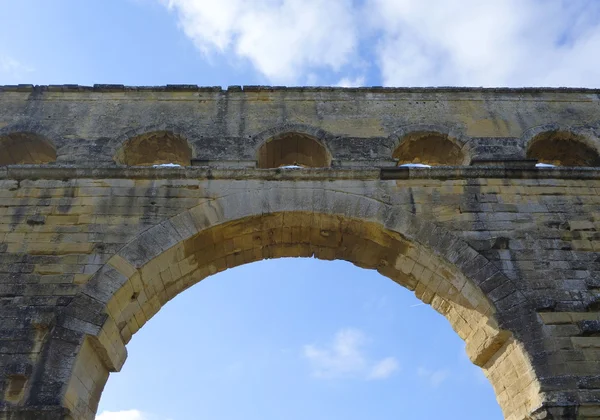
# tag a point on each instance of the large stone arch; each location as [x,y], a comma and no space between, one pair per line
[61,223]
[252,225]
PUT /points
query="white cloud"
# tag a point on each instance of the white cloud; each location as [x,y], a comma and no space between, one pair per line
[472,42]
[346,357]
[384,368]
[351,82]
[122,415]
[283,39]
[433,377]
[126,415]
[413,42]
[13,68]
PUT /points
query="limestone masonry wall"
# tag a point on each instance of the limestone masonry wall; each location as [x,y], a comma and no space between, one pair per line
[94,239]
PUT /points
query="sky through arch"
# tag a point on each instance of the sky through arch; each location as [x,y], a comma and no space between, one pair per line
[297,338]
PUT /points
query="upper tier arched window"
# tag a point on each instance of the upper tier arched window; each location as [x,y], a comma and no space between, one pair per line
[25,148]
[429,148]
[293,149]
[155,148]
[562,148]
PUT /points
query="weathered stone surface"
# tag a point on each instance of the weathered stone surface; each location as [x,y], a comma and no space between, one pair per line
[92,244]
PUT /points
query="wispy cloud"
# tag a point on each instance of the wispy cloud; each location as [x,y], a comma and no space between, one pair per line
[470,42]
[351,82]
[121,415]
[434,377]
[346,357]
[411,42]
[127,415]
[283,39]
[13,68]
[384,368]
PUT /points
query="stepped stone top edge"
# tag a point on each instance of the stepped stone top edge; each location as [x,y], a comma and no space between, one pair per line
[309,89]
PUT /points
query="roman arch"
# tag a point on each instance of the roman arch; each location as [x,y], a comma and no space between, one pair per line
[115,199]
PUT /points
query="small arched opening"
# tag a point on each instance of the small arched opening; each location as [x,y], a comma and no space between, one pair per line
[155,148]
[26,149]
[293,149]
[429,148]
[562,148]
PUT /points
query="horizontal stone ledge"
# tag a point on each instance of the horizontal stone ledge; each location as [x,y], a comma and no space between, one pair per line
[335,164]
[506,163]
[261,88]
[65,172]
[229,164]
[468,172]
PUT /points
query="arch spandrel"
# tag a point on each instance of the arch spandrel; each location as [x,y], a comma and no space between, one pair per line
[249,226]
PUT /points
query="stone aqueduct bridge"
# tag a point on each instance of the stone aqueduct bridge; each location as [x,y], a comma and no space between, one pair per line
[94,239]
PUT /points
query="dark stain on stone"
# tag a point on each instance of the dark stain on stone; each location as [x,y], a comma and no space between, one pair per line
[20,213]
[66,201]
[36,220]
[413,208]
[501,243]
[16,187]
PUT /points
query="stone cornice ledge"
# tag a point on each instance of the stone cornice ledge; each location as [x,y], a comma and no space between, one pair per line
[66,172]
[261,88]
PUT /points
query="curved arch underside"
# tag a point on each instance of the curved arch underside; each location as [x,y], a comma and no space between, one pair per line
[293,149]
[562,148]
[25,148]
[429,148]
[155,148]
[223,233]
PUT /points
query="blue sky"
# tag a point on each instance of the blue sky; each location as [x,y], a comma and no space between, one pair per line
[299,339]
[299,42]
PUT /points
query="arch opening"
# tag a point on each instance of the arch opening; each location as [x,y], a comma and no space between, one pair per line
[293,150]
[292,304]
[562,148]
[429,148]
[26,149]
[366,244]
[155,148]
